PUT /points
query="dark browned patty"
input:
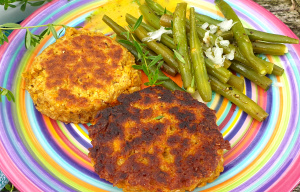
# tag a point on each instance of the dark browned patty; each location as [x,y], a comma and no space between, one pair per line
[157,140]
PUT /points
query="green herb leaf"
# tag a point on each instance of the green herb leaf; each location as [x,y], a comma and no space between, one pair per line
[165,11]
[146,53]
[138,47]
[23,7]
[11,95]
[53,31]
[4,92]
[8,187]
[61,32]
[139,67]
[38,3]
[155,60]
[179,56]
[5,7]
[138,23]
[11,25]
[160,64]
[159,117]
[5,38]
[27,39]
[125,42]
[8,98]
[12,5]
[45,32]
[145,69]
[140,56]
[126,34]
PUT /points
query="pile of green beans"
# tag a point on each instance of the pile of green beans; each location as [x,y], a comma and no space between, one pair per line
[198,62]
[180,40]
[198,72]
[253,34]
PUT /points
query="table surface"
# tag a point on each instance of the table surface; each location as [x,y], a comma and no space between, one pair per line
[287,11]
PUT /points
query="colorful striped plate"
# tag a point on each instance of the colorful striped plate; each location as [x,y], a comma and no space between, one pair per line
[41,154]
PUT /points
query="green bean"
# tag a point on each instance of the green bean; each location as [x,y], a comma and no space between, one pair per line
[278,71]
[166,20]
[237,82]
[157,8]
[226,63]
[120,31]
[253,34]
[158,48]
[269,48]
[227,35]
[179,36]
[207,19]
[257,36]
[219,72]
[150,16]
[165,39]
[243,41]
[252,75]
[227,49]
[238,98]
[169,84]
[198,63]
[116,27]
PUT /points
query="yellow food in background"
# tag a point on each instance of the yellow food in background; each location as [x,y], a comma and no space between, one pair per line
[117,10]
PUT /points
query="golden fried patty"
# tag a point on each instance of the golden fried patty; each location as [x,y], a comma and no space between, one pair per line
[157,140]
[80,74]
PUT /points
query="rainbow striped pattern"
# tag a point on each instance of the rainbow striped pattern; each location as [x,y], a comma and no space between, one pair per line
[40,154]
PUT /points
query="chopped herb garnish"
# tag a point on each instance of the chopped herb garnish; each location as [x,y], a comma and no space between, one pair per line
[178,56]
[159,117]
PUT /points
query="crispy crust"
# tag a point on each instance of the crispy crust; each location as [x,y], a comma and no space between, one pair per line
[138,152]
[80,74]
